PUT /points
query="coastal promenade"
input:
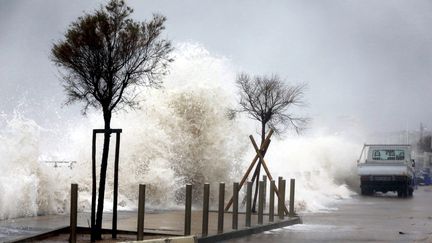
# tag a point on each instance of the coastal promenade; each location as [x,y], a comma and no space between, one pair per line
[157,223]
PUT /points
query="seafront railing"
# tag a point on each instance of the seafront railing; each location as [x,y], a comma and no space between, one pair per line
[220,229]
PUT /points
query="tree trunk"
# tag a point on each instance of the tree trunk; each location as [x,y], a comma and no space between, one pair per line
[258,168]
[102,180]
[263,132]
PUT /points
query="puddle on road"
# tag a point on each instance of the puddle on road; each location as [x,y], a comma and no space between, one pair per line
[317,228]
[9,233]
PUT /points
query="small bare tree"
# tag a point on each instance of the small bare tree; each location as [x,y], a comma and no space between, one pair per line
[268,100]
[104,57]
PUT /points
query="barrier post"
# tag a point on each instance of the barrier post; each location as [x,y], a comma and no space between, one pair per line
[261,202]
[271,202]
[235,205]
[221,207]
[205,216]
[73,212]
[282,198]
[291,203]
[188,210]
[141,212]
[248,203]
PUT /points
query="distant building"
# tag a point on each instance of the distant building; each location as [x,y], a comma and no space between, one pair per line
[398,137]
[59,163]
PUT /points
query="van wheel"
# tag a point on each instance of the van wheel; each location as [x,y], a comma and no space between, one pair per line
[366,192]
[403,192]
[410,192]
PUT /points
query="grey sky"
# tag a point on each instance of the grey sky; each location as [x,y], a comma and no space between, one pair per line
[367,62]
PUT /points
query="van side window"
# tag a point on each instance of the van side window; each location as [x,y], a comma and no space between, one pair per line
[400,155]
[388,154]
[376,155]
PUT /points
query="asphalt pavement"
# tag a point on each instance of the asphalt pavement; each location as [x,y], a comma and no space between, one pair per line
[378,218]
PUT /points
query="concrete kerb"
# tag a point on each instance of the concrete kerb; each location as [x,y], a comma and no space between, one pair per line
[250,230]
[180,239]
[41,236]
[212,238]
[229,235]
[84,230]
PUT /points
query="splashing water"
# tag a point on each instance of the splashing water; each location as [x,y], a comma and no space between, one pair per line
[322,166]
[26,187]
[180,135]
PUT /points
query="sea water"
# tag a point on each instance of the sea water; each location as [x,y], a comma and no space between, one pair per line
[180,134]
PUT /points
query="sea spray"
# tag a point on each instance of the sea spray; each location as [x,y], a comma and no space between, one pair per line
[179,135]
[323,167]
[185,127]
[27,188]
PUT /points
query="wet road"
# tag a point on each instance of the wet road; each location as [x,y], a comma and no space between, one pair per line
[379,218]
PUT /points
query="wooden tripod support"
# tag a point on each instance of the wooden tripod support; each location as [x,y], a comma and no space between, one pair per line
[116,169]
[261,158]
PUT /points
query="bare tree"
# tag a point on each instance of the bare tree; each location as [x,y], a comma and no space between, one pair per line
[424,144]
[103,57]
[269,100]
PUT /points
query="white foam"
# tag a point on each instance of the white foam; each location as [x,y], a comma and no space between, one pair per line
[318,228]
[180,135]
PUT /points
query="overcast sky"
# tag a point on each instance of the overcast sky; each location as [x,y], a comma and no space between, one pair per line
[367,62]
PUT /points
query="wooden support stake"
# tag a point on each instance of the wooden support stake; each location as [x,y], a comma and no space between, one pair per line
[188,210]
[221,207]
[271,203]
[291,203]
[93,199]
[257,171]
[141,212]
[73,213]
[235,205]
[264,164]
[265,191]
[256,179]
[115,194]
[261,202]
[248,203]
[280,197]
[245,176]
[116,173]
[205,216]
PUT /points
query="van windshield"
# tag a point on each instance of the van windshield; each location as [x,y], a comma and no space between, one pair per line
[388,154]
